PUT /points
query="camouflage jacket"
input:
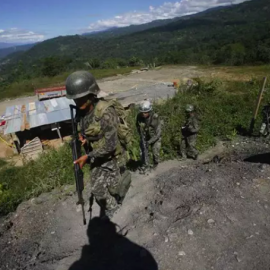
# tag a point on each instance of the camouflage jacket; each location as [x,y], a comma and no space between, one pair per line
[109,125]
[150,127]
[191,126]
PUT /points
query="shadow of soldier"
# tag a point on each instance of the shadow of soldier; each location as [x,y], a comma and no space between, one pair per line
[110,250]
[260,158]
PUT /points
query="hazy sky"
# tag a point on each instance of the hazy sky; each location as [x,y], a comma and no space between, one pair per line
[27,21]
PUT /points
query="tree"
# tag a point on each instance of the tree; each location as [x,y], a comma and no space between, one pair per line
[52,66]
[95,63]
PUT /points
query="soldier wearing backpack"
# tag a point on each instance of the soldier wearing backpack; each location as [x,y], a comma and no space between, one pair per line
[189,134]
[104,130]
[149,127]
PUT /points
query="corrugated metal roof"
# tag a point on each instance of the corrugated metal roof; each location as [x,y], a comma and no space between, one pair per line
[38,113]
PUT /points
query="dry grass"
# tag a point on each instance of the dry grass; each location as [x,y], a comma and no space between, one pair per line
[243,73]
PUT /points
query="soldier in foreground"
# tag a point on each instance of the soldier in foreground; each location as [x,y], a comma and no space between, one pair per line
[98,125]
[189,134]
[149,126]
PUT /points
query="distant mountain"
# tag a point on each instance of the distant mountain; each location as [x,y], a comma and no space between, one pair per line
[99,31]
[234,35]
[5,51]
[120,31]
[4,45]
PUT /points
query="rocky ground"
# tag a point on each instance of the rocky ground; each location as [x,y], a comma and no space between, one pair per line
[209,214]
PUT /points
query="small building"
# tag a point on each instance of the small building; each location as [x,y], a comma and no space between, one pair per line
[45,119]
[50,92]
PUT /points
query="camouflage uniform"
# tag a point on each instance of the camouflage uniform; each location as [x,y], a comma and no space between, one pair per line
[105,171]
[189,138]
[150,129]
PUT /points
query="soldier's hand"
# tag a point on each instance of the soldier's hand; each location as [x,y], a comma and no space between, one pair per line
[81,161]
[82,140]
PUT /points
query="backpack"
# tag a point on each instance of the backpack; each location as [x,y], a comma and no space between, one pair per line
[124,131]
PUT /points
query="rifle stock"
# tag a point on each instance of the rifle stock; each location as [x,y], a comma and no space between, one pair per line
[76,154]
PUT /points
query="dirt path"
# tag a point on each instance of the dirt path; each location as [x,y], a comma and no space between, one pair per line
[183,216]
[123,83]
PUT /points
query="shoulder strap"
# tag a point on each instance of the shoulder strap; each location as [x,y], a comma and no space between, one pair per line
[100,108]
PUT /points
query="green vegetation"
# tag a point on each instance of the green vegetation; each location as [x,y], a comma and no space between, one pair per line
[20,183]
[232,35]
[27,86]
[225,109]
[2,162]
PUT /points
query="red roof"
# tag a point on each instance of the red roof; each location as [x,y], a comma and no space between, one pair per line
[50,89]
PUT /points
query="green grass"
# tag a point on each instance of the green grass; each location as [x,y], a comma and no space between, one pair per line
[27,87]
[2,163]
[51,170]
[225,108]
[237,73]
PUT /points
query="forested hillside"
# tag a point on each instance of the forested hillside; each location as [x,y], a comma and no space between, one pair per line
[232,35]
[116,32]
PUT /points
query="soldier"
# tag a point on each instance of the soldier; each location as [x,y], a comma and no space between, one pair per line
[189,134]
[98,125]
[149,128]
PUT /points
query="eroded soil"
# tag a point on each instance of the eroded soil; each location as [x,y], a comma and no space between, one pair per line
[209,214]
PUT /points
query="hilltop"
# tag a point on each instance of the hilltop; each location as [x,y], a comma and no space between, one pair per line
[121,31]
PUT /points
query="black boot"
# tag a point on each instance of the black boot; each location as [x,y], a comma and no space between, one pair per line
[155,165]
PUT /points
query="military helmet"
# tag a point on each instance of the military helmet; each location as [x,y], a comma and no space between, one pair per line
[81,83]
[145,106]
[189,108]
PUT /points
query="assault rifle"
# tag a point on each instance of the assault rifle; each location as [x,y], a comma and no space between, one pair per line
[145,146]
[76,154]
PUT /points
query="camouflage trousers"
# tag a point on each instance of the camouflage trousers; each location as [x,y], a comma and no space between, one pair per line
[104,178]
[188,146]
[155,147]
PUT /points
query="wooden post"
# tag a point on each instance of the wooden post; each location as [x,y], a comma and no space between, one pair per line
[252,123]
[58,131]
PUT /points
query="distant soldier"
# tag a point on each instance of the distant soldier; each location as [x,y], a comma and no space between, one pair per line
[189,134]
[265,128]
[99,125]
[149,128]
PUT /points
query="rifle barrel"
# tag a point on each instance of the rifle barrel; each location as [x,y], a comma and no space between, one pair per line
[76,153]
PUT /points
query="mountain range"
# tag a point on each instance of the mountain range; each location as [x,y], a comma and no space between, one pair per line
[235,34]
[9,48]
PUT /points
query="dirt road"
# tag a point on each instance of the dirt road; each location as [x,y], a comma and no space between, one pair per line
[184,216]
[123,83]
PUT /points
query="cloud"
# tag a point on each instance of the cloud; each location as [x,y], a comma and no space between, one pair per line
[19,35]
[166,11]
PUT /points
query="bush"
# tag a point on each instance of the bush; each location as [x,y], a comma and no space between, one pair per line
[222,113]
[51,170]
